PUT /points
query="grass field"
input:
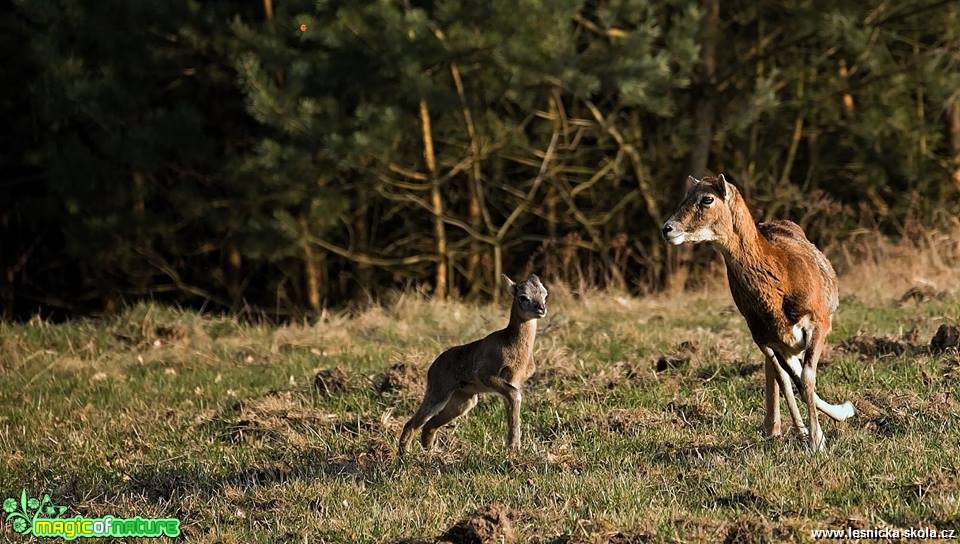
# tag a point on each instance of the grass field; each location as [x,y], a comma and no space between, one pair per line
[161,412]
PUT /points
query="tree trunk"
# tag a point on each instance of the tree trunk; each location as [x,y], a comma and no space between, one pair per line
[311,268]
[705,109]
[704,116]
[473,259]
[955,140]
[361,233]
[497,271]
[436,203]
[233,276]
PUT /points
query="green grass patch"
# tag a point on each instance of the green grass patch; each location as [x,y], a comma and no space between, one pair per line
[167,413]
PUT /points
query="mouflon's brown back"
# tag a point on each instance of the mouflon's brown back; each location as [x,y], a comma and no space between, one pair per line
[777,276]
[791,238]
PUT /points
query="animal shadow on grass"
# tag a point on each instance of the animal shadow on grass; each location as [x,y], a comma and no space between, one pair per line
[936,493]
[671,453]
[160,483]
[728,370]
[275,425]
[743,500]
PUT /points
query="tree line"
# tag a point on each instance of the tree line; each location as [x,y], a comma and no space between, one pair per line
[288,155]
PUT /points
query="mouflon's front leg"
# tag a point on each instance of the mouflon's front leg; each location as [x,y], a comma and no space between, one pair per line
[771,398]
[513,419]
[511,398]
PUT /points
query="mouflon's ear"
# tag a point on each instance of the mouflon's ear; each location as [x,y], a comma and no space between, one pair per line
[509,284]
[693,181]
[722,188]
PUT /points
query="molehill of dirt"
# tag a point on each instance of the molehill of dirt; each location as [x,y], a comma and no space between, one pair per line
[923,293]
[947,336]
[401,378]
[877,346]
[492,524]
[329,381]
[678,358]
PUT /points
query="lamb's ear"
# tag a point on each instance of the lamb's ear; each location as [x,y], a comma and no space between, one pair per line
[693,181]
[509,284]
[722,188]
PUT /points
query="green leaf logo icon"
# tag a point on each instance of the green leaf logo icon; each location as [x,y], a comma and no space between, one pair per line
[23,513]
[49,510]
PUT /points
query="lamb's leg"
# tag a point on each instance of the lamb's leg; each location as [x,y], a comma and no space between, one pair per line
[786,385]
[771,397]
[511,399]
[809,378]
[459,404]
[432,405]
[512,402]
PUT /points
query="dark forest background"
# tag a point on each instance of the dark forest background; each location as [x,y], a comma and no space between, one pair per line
[287,155]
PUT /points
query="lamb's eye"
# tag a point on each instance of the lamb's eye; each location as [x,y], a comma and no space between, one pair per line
[524,298]
[707,200]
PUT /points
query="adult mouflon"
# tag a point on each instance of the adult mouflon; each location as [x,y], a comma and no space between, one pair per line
[499,363]
[783,285]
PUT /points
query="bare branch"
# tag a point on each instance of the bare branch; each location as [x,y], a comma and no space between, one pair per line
[371,260]
[548,156]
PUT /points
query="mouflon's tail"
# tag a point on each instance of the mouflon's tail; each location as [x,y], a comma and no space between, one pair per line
[836,412]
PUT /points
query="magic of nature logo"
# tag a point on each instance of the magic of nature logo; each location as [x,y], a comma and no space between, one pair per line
[40,517]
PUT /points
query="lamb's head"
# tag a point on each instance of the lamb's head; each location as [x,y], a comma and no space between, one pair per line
[529,297]
[705,213]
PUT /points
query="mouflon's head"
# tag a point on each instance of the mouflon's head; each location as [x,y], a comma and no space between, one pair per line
[704,215]
[529,297]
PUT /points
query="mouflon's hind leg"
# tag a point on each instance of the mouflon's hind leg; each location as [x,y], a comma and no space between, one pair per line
[459,404]
[785,373]
[771,396]
[431,406]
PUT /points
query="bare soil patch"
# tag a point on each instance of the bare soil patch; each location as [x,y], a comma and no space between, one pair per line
[285,415]
[749,530]
[692,413]
[630,422]
[889,414]
[146,335]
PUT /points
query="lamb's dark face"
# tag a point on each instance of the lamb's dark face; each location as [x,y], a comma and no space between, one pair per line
[530,297]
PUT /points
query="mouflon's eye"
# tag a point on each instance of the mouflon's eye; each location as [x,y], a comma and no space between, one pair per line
[524,298]
[707,200]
